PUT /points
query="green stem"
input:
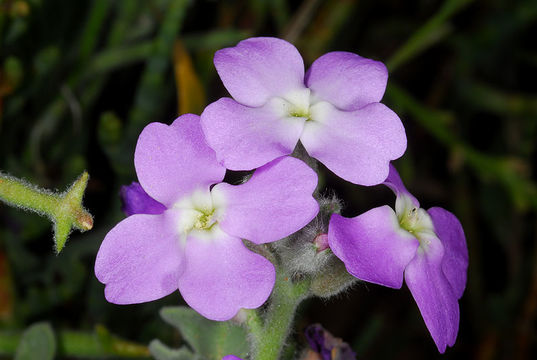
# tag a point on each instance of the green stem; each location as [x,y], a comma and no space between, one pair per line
[64,209]
[17,193]
[269,339]
[254,322]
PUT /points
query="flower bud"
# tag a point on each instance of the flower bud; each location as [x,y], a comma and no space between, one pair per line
[306,251]
[333,280]
[321,242]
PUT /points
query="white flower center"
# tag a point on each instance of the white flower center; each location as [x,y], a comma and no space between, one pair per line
[200,213]
[415,220]
[297,104]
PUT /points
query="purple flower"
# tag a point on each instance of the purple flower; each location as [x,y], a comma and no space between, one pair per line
[136,201]
[326,345]
[427,248]
[231,357]
[195,244]
[333,110]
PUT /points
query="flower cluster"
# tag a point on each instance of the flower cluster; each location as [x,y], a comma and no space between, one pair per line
[189,231]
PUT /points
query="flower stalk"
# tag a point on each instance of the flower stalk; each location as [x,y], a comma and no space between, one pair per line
[269,339]
[65,209]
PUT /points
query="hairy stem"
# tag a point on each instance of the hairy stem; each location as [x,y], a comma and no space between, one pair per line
[20,194]
[64,209]
[269,339]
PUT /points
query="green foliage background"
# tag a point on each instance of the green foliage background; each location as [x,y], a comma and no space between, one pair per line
[80,79]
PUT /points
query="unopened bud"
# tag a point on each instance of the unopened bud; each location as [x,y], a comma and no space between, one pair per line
[332,280]
[305,252]
[84,221]
[321,242]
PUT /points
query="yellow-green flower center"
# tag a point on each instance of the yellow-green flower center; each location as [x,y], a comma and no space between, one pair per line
[409,220]
[297,104]
[415,220]
[301,113]
[204,220]
[200,212]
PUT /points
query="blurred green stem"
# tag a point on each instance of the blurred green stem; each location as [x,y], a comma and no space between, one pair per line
[503,169]
[429,33]
[94,25]
[78,344]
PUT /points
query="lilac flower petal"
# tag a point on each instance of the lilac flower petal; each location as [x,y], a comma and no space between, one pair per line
[245,138]
[433,293]
[231,357]
[172,161]
[136,201]
[347,80]
[357,146]
[455,261]
[260,68]
[139,259]
[373,246]
[276,202]
[394,182]
[222,276]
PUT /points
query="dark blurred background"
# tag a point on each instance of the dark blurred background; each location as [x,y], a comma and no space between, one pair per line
[80,79]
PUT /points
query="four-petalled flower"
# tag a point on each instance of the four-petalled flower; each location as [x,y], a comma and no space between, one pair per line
[194,244]
[333,110]
[427,248]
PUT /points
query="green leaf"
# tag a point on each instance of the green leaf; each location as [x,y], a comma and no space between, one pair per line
[162,352]
[209,339]
[38,341]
